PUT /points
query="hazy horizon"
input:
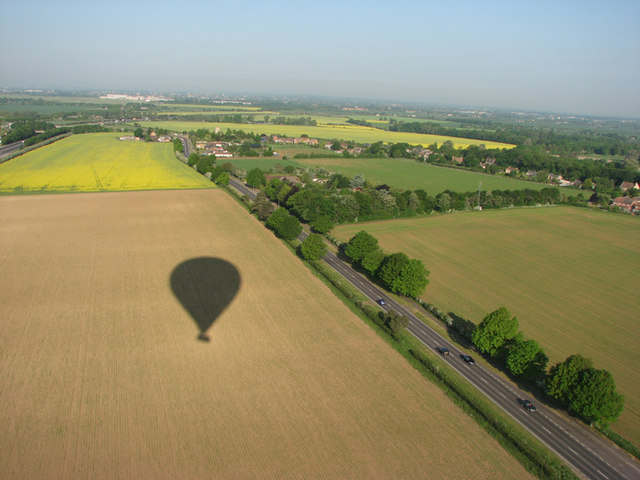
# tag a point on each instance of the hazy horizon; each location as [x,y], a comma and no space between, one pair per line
[572,57]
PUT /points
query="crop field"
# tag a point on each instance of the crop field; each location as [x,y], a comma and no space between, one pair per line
[98,162]
[356,133]
[412,175]
[102,374]
[567,274]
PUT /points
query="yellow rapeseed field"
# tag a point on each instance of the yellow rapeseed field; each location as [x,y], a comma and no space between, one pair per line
[98,162]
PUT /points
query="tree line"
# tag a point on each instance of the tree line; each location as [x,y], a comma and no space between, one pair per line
[587,392]
[343,199]
[554,143]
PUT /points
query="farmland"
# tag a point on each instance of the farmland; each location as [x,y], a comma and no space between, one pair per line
[411,175]
[566,273]
[355,133]
[102,375]
[97,162]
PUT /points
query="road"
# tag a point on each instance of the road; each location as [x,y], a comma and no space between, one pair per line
[587,452]
[12,147]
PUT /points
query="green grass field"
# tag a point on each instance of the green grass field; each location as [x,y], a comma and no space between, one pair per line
[356,133]
[568,274]
[411,175]
[262,163]
[98,162]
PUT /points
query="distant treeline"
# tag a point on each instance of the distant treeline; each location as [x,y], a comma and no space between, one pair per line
[555,143]
[23,129]
[27,130]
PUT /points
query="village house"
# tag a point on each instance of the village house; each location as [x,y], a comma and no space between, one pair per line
[626,186]
[488,162]
[457,160]
[290,179]
[509,170]
[421,152]
[628,204]
[294,140]
[218,149]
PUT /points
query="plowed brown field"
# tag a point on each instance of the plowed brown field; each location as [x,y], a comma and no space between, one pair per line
[102,375]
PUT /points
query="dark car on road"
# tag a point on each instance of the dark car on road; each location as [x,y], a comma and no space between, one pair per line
[468,359]
[527,405]
[381,301]
[442,350]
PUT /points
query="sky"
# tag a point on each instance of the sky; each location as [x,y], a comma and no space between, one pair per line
[562,56]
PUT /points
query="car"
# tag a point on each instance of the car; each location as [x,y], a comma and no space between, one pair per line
[442,350]
[381,301]
[468,359]
[527,405]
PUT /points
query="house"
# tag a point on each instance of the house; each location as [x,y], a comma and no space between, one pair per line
[457,160]
[509,170]
[290,179]
[626,186]
[628,204]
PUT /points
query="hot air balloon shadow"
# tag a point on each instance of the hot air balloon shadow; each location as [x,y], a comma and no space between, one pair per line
[205,286]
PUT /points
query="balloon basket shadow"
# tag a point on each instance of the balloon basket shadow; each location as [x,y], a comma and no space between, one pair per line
[203,337]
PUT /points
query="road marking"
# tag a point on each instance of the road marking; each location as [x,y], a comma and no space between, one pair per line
[572,450]
[546,430]
[601,473]
[484,380]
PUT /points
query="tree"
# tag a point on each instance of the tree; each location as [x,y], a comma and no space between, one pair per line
[399,274]
[177,145]
[193,159]
[594,397]
[322,224]
[277,217]
[372,260]
[313,247]
[289,228]
[444,202]
[256,178]
[413,202]
[527,358]
[284,190]
[357,182]
[138,133]
[563,377]
[395,321]
[262,206]
[359,245]
[223,178]
[494,331]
